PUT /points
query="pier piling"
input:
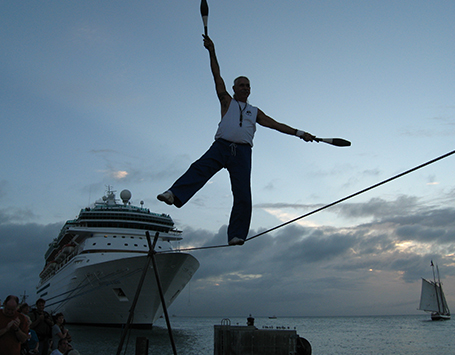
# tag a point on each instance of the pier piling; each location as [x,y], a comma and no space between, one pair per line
[142,346]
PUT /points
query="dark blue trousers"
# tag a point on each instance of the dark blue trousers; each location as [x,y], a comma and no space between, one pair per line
[236,158]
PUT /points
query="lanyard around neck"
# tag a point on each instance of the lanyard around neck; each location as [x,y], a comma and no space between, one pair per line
[241,112]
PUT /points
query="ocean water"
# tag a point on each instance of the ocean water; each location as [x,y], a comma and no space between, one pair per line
[372,335]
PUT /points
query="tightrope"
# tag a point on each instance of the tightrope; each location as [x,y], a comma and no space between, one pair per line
[323,207]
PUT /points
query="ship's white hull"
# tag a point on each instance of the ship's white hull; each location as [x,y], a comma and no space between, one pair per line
[99,288]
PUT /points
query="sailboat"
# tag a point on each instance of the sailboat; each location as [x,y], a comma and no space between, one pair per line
[432,298]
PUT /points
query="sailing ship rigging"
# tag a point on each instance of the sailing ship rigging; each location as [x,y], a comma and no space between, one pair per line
[432,297]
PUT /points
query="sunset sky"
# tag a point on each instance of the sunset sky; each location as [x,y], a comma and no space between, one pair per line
[98,93]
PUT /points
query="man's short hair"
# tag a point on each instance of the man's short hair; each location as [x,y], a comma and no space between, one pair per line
[10,297]
[40,300]
[22,307]
[240,77]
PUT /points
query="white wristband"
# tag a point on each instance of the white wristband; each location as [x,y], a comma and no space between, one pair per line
[300,133]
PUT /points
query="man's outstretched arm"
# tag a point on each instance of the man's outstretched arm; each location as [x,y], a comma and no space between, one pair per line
[269,122]
[220,87]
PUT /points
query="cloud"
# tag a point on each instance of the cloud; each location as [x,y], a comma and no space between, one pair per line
[119,175]
[377,207]
[393,250]
[294,270]
[3,188]
[137,169]
[22,255]
[441,126]
[444,120]
[14,214]
[281,205]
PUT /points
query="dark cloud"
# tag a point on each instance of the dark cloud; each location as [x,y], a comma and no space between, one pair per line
[292,270]
[377,207]
[3,188]
[12,214]
[338,259]
[22,255]
[287,205]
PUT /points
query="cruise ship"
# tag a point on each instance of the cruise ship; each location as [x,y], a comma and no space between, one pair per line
[93,268]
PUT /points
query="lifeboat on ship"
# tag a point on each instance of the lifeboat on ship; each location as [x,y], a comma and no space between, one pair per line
[68,249]
[64,252]
[48,269]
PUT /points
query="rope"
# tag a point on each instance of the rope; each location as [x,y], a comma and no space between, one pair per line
[326,206]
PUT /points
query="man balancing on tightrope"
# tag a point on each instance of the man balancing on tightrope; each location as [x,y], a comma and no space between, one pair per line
[231,150]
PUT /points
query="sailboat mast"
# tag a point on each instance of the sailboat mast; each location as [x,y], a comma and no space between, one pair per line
[432,267]
[444,307]
[438,294]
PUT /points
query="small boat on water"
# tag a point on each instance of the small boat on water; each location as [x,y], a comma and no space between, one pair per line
[93,267]
[432,297]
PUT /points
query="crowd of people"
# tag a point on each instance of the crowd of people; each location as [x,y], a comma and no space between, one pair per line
[26,331]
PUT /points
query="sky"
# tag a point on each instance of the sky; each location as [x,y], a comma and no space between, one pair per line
[97,93]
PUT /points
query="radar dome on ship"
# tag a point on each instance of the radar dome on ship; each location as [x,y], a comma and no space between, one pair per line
[125,195]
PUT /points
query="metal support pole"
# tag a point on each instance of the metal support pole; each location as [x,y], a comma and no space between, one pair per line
[150,257]
[160,289]
[136,297]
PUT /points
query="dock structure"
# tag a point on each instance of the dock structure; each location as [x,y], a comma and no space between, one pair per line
[249,340]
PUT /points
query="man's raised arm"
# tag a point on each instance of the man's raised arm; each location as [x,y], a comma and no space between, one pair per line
[220,87]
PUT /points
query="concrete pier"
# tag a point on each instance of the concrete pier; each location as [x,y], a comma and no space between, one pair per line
[249,340]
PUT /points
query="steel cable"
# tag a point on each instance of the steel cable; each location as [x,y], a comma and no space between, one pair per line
[325,206]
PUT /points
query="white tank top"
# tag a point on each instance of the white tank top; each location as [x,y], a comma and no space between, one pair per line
[238,124]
